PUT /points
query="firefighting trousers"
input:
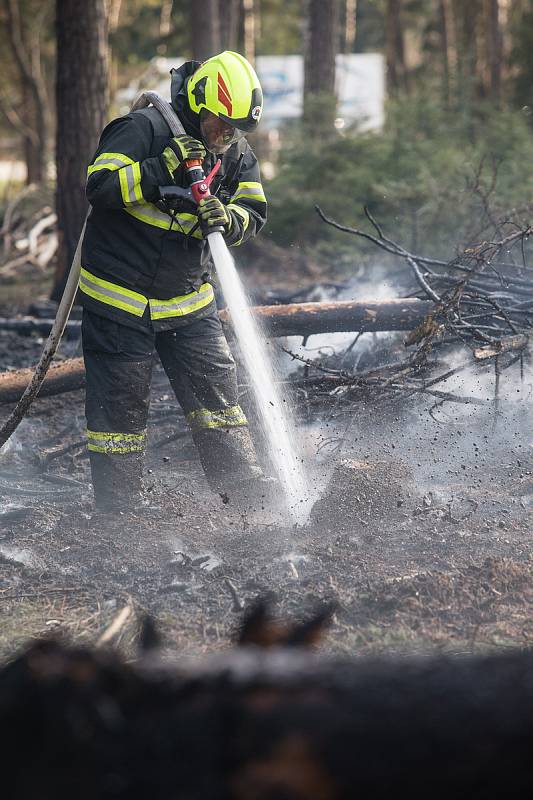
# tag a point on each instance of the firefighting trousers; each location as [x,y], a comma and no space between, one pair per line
[201,370]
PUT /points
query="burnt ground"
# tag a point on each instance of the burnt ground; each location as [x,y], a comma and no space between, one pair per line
[422,532]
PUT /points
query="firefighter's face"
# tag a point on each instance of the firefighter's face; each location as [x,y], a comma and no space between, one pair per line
[217,134]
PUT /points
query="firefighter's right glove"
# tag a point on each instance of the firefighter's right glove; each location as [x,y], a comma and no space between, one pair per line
[180,149]
[214,216]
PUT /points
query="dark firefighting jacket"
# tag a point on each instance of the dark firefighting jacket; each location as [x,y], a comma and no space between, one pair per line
[142,263]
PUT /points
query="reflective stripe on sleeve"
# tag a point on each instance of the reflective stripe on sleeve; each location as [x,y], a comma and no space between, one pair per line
[110,161]
[224,418]
[244,215]
[250,189]
[186,304]
[105,442]
[130,184]
[111,294]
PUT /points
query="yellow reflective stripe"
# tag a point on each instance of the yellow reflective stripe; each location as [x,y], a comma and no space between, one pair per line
[135,303]
[97,449]
[96,167]
[185,304]
[137,182]
[114,436]
[223,418]
[105,442]
[119,157]
[151,215]
[112,294]
[110,161]
[124,186]
[244,215]
[130,184]
[250,189]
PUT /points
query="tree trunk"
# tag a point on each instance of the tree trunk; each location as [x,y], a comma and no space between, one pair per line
[32,143]
[396,69]
[321,47]
[165,26]
[494,49]
[230,16]
[27,58]
[205,29]
[467,24]
[248,7]
[81,97]
[443,28]
[350,25]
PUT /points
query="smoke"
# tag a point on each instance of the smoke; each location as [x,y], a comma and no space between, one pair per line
[327,345]
[474,443]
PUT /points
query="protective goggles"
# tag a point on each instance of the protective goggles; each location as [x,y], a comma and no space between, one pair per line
[217,134]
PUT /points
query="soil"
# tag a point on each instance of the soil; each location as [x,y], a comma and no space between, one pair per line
[421,531]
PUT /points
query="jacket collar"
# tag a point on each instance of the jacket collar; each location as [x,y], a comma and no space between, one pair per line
[178,97]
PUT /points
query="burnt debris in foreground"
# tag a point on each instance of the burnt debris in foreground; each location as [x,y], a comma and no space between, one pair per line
[252,723]
[421,466]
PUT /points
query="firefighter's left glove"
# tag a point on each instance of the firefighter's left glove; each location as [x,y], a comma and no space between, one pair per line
[180,149]
[214,215]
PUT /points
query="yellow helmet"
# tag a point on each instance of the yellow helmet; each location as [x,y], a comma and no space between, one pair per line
[227,86]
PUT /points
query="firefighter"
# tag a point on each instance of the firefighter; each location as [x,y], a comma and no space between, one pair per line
[146,282]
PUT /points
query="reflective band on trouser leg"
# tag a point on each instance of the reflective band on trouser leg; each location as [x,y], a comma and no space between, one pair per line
[186,304]
[112,294]
[203,418]
[115,443]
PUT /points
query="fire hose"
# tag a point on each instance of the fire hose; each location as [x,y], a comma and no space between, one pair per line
[199,189]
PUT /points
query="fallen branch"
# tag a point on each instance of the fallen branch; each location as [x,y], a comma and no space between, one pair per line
[301,319]
[507,345]
[5,230]
[38,229]
[116,626]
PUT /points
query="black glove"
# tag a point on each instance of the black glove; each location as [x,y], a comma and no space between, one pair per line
[213,214]
[180,149]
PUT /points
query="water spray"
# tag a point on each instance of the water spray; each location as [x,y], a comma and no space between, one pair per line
[272,410]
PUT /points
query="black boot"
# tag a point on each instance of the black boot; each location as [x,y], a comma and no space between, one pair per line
[230,463]
[117,481]
[227,456]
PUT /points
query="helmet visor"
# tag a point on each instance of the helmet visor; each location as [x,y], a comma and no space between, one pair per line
[217,134]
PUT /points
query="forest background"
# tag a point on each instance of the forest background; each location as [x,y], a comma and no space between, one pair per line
[452,160]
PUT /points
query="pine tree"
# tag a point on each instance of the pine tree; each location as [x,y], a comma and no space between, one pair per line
[321,48]
[82,99]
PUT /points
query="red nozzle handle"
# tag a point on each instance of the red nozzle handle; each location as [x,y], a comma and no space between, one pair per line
[199,182]
[193,163]
[209,178]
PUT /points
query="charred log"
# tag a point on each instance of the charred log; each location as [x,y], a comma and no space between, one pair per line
[254,723]
[63,377]
[30,326]
[306,319]
[298,319]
